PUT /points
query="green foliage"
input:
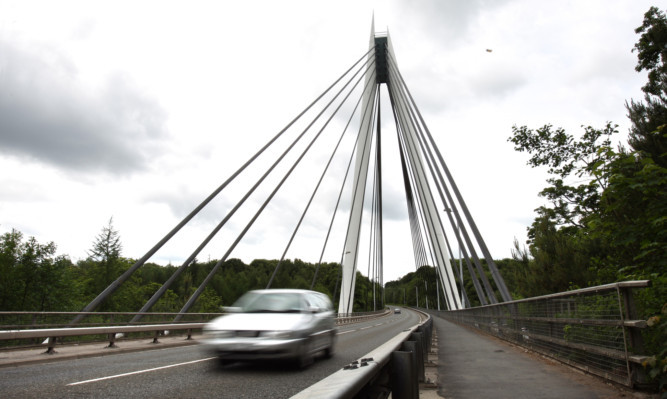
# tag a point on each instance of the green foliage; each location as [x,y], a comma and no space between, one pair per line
[414,289]
[32,277]
[606,215]
[648,134]
[632,222]
[567,158]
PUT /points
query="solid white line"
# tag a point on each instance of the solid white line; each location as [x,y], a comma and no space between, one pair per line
[138,372]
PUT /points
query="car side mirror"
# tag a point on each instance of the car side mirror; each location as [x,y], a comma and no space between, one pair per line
[313,309]
[231,309]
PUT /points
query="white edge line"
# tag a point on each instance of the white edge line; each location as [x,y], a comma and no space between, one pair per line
[138,372]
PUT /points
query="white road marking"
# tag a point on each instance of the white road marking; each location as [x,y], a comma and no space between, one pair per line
[138,372]
[345,332]
[365,328]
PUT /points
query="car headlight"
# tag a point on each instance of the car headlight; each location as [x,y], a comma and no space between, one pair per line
[282,334]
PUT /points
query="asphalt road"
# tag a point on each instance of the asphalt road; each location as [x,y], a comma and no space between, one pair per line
[186,372]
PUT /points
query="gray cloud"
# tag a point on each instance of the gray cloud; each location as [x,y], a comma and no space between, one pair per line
[46,116]
[444,20]
[497,83]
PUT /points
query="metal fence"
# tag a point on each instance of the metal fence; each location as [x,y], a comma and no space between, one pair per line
[595,329]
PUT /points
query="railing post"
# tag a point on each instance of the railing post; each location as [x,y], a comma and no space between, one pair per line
[427,330]
[155,337]
[51,350]
[403,375]
[112,340]
[414,344]
[637,372]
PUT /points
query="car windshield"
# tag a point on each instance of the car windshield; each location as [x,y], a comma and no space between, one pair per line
[283,302]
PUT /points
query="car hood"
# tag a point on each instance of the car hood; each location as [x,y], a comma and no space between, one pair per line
[259,321]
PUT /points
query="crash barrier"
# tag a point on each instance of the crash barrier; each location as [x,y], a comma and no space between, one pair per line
[29,329]
[395,368]
[52,334]
[28,320]
[595,329]
[349,318]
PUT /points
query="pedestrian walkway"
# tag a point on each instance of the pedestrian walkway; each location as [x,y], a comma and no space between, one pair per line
[474,365]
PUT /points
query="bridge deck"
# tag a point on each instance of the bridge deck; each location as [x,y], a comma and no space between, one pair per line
[475,365]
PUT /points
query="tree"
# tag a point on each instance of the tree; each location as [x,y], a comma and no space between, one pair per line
[567,157]
[648,134]
[107,246]
[32,278]
[106,251]
[10,247]
[104,263]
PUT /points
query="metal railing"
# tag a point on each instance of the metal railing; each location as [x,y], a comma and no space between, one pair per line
[348,318]
[24,320]
[595,329]
[30,329]
[395,368]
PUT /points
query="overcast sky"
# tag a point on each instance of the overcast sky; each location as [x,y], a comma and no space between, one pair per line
[137,110]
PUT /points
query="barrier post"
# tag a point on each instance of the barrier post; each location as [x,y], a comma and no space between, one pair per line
[403,377]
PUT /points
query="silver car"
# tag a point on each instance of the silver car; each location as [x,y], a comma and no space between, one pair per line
[273,324]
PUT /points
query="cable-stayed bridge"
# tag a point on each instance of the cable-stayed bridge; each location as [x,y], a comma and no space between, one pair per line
[594,328]
[348,118]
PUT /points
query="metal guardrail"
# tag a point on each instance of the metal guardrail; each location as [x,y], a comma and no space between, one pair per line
[395,368]
[29,329]
[52,334]
[349,318]
[25,320]
[595,329]
[16,326]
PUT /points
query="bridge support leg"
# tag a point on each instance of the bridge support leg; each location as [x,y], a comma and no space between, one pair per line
[362,158]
